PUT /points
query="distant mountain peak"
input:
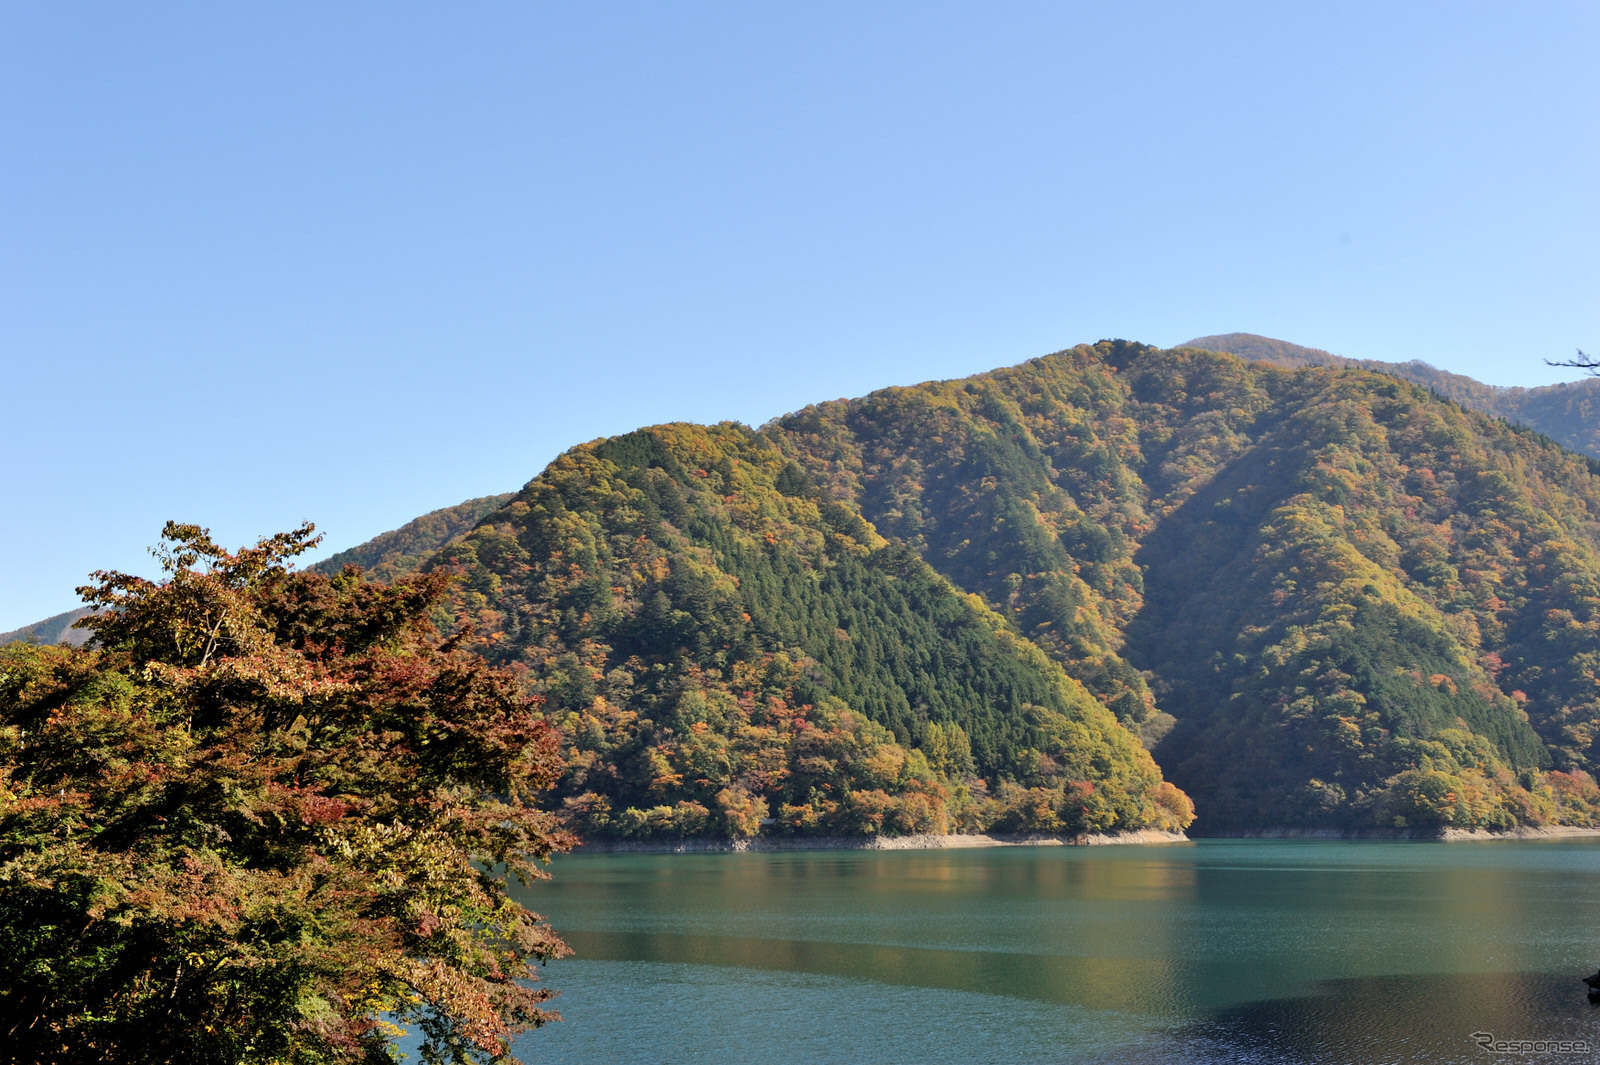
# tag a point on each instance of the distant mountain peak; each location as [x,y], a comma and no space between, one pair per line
[1563,412]
[52,630]
[1258,348]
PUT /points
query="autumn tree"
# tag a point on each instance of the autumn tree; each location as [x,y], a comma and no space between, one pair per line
[266,816]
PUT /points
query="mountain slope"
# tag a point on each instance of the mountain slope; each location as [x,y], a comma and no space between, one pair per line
[1360,604]
[1326,597]
[1323,597]
[52,630]
[1567,413]
[723,644]
[400,551]
[385,557]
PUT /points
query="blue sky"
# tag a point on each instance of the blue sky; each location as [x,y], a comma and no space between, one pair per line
[352,262]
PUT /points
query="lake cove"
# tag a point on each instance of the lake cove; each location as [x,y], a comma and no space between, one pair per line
[1268,951]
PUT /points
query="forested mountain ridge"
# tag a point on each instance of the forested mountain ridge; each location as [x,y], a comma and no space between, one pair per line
[729,650]
[1355,599]
[1568,413]
[1321,596]
[385,557]
[52,629]
[1326,598]
[400,551]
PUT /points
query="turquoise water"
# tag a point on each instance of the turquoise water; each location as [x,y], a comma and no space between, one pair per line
[1217,951]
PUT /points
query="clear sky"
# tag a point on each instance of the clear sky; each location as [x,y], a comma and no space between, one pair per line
[261,263]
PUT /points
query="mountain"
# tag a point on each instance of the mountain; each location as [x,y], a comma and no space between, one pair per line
[384,557]
[728,647]
[400,551]
[1321,596]
[1326,597]
[1567,413]
[52,630]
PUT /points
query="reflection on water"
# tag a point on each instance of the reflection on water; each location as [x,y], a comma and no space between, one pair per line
[1144,985]
[1407,1019]
[1269,951]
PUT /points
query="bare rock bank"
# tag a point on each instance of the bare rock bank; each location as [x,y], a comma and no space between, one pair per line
[1468,835]
[1446,835]
[869,843]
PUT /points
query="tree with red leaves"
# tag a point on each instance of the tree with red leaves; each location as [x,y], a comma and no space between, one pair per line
[266,816]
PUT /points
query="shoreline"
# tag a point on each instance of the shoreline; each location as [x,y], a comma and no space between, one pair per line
[1476,835]
[1435,835]
[1144,836]
[872,843]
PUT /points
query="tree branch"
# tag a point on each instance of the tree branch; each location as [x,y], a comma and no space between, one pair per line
[1587,363]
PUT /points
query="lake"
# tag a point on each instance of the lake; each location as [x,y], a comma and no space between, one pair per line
[1217,951]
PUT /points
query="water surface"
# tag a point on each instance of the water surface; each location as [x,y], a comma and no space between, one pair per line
[1252,951]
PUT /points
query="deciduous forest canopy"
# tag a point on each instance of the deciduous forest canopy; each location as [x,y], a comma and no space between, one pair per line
[1321,596]
[266,816]
[1324,597]
[1568,413]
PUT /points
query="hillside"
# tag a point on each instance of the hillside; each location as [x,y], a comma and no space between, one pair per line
[729,650]
[1567,413]
[1321,596]
[1349,595]
[384,557]
[1324,597]
[52,630]
[400,551]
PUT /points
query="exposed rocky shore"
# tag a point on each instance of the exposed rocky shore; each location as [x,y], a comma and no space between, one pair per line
[1447,835]
[872,843]
[1466,835]
[1148,835]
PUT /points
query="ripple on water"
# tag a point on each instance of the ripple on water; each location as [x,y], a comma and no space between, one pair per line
[625,1012]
